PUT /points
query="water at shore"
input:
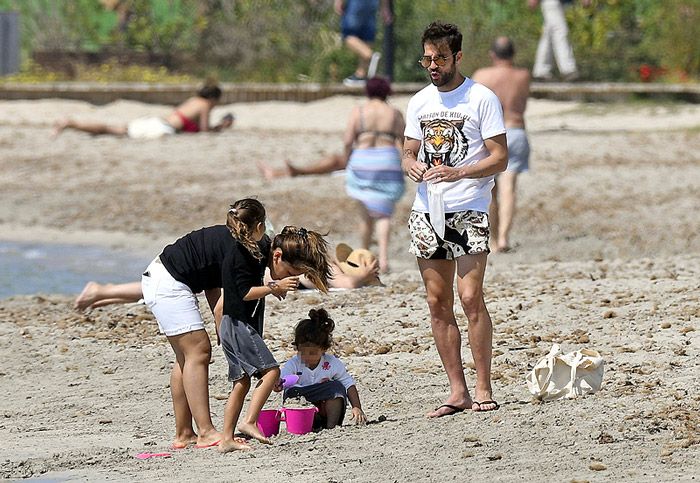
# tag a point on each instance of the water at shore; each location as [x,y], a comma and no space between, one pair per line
[30,268]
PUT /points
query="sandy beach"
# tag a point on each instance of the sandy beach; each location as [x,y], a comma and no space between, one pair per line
[607,257]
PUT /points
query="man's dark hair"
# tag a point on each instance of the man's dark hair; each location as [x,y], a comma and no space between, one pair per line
[438,32]
[503,48]
[210,91]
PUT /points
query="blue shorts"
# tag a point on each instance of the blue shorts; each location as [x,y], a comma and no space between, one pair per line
[360,19]
[518,150]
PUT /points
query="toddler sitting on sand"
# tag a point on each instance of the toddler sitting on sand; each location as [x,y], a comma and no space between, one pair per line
[323,379]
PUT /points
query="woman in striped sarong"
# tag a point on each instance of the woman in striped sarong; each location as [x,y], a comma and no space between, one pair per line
[372,159]
[373,141]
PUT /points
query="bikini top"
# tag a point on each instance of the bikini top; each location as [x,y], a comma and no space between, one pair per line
[188,125]
[388,134]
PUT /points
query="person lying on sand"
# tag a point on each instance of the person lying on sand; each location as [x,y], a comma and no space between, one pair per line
[352,268]
[191,116]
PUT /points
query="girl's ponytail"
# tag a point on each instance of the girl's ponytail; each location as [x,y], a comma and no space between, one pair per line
[242,219]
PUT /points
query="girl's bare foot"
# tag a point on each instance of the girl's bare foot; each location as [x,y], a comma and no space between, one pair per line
[235,444]
[88,296]
[182,443]
[253,431]
[209,440]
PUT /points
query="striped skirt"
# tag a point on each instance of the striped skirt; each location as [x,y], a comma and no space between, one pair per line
[375,178]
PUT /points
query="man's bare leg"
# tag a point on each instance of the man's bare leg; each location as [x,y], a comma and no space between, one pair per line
[332,162]
[506,208]
[363,51]
[89,127]
[438,277]
[493,219]
[470,281]
[270,173]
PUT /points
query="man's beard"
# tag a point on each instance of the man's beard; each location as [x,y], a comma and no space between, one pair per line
[445,78]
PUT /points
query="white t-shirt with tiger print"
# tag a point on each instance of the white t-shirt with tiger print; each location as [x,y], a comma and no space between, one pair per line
[452,127]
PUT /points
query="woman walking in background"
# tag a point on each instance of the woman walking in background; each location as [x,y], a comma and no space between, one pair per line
[373,140]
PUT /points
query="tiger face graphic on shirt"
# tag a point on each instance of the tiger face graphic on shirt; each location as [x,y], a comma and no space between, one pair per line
[443,142]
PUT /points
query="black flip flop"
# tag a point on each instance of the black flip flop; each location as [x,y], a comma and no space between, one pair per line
[488,401]
[453,410]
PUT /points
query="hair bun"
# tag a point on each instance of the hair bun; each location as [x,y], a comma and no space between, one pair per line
[322,319]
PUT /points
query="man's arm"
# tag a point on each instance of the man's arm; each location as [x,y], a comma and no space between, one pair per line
[226,122]
[496,162]
[204,119]
[409,161]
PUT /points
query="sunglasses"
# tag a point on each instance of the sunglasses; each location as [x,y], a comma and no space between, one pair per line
[440,60]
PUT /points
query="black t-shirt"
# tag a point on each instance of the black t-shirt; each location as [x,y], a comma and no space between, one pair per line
[246,272]
[196,259]
[212,258]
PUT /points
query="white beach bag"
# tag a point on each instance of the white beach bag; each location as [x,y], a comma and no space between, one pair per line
[569,375]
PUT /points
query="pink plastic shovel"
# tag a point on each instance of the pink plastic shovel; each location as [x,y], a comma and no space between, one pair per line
[145,456]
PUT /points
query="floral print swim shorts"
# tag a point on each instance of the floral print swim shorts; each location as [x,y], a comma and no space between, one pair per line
[466,233]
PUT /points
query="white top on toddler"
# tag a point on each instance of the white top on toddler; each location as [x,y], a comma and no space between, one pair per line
[329,368]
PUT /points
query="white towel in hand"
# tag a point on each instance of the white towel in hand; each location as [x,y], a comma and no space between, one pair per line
[436,207]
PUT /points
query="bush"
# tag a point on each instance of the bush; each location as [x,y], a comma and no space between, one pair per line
[288,41]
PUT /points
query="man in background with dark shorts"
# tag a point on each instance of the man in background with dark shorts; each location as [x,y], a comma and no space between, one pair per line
[358,25]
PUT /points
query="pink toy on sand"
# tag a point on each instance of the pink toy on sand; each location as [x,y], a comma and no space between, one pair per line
[299,420]
[145,456]
[269,422]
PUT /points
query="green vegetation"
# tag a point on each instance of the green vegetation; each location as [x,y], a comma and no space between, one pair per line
[298,40]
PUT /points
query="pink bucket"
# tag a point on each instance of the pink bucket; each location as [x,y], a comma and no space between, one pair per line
[299,420]
[269,422]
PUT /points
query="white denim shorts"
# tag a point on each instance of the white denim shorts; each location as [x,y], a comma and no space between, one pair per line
[173,303]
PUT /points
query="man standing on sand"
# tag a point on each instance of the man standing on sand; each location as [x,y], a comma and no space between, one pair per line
[554,42]
[512,86]
[454,144]
[358,25]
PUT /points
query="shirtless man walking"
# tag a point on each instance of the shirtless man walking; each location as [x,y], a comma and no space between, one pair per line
[512,86]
